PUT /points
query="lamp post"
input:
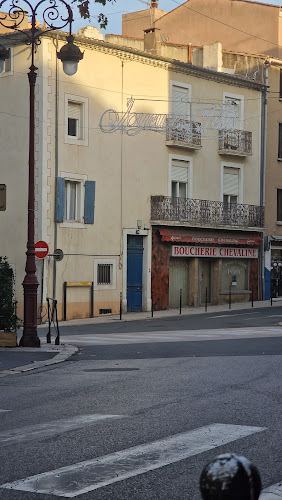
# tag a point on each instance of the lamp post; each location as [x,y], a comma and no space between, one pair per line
[56,15]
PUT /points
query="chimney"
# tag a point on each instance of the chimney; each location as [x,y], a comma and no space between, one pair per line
[154,4]
[152,41]
[212,56]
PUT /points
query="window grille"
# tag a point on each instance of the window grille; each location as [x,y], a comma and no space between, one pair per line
[104,272]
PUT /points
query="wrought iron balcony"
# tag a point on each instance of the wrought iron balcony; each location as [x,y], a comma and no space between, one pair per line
[183,133]
[235,142]
[205,212]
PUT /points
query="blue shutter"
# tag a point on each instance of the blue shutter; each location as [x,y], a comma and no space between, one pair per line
[89,202]
[60,199]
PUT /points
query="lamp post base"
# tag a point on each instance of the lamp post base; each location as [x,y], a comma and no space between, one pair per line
[30,338]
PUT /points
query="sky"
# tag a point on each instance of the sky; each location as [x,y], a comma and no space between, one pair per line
[114,12]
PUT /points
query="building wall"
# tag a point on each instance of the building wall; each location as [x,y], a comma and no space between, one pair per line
[238,25]
[128,170]
[133,24]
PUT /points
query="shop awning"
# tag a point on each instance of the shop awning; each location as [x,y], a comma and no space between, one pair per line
[178,235]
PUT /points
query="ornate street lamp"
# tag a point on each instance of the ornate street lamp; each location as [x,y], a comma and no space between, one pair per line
[56,15]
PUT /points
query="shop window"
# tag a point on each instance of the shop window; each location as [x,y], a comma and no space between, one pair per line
[279,205]
[280,141]
[235,273]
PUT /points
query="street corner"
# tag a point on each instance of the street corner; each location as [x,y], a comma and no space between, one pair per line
[25,359]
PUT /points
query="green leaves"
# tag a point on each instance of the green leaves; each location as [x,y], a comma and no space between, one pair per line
[84,10]
[8,318]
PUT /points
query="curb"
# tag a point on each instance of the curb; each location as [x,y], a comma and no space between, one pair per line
[65,352]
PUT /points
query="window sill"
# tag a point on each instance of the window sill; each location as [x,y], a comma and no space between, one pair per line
[75,141]
[73,224]
[279,159]
[278,223]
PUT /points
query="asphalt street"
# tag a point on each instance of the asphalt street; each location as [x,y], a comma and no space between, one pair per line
[140,420]
[251,317]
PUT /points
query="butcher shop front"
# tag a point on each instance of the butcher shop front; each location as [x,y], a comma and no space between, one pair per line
[203,266]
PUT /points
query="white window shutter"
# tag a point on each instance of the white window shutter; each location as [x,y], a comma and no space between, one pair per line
[179,171]
[179,100]
[231,181]
[74,109]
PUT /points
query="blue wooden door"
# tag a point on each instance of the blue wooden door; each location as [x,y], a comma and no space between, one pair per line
[134,273]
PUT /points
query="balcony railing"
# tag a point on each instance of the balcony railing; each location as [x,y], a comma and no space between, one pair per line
[182,132]
[236,142]
[205,212]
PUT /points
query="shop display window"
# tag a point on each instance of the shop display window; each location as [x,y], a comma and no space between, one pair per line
[235,273]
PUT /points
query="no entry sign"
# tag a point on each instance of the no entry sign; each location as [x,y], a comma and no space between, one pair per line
[41,249]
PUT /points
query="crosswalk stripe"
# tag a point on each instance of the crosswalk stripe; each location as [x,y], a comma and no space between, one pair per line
[173,336]
[90,475]
[51,428]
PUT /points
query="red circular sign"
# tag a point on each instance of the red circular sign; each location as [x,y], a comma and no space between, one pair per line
[41,249]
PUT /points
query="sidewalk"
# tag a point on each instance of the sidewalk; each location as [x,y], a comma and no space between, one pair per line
[15,360]
[185,311]
[23,359]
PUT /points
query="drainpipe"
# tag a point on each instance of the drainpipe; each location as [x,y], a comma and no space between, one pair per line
[56,43]
[267,64]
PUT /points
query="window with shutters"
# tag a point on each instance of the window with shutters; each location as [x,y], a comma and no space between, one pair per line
[76,119]
[280,141]
[73,193]
[231,194]
[180,175]
[279,205]
[180,99]
[75,200]
[104,274]
[230,186]
[233,111]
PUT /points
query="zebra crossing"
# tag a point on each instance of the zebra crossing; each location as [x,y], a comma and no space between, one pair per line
[171,336]
[83,477]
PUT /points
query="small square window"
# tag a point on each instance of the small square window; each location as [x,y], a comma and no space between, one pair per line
[7,70]
[104,274]
[75,119]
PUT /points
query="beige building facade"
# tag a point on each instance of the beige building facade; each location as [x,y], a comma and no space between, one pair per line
[253,31]
[142,180]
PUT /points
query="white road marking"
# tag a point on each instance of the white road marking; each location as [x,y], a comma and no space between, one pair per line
[52,428]
[3,411]
[173,336]
[90,475]
[231,315]
[273,492]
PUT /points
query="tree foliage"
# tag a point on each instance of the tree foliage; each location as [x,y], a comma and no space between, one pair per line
[8,318]
[84,10]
